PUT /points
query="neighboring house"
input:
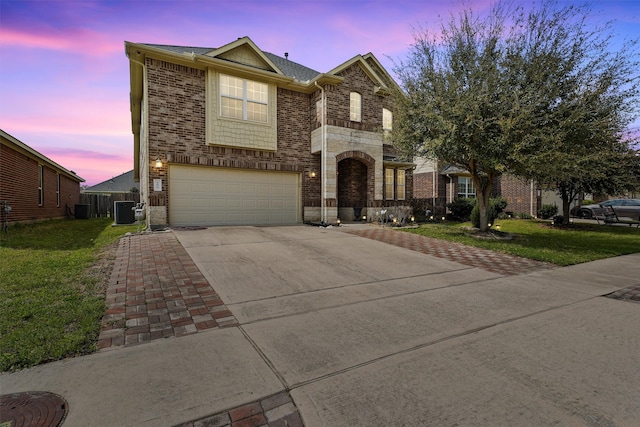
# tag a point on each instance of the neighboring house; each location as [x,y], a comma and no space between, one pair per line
[33,185]
[437,184]
[121,184]
[235,135]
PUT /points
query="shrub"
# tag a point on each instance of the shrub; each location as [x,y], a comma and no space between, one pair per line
[496,207]
[547,211]
[524,216]
[461,209]
[587,202]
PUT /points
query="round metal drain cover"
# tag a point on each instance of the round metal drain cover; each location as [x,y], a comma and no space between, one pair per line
[32,409]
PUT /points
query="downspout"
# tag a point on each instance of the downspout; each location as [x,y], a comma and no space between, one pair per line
[144,189]
[531,203]
[434,186]
[323,161]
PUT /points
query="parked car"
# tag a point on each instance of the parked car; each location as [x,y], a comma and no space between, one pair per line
[624,207]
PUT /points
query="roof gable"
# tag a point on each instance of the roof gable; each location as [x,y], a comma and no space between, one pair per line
[365,63]
[244,51]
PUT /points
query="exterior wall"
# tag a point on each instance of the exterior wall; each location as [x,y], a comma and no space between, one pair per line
[341,140]
[239,133]
[356,80]
[519,194]
[345,138]
[19,186]
[177,133]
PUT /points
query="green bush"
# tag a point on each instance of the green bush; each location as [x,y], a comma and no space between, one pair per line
[523,215]
[496,207]
[461,209]
[587,202]
[547,211]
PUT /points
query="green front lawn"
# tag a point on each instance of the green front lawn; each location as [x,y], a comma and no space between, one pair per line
[544,242]
[51,294]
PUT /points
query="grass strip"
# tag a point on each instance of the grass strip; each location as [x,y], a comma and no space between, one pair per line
[51,299]
[538,240]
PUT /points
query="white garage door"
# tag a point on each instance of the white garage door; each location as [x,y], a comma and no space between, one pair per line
[220,196]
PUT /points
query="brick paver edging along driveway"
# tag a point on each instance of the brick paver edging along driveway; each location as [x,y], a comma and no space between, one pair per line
[156,291]
[485,259]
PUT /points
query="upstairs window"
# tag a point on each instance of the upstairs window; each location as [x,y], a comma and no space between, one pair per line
[387,120]
[243,99]
[355,107]
[466,188]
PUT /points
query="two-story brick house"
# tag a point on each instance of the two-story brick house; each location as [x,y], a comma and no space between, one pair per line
[238,136]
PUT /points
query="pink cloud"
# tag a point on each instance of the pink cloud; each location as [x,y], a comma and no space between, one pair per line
[88,42]
[91,165]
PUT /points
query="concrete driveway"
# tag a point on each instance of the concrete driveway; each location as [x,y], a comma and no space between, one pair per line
[339,330]
[365,333]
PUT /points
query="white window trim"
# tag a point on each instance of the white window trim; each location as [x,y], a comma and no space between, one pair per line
[466,194]
[245,100]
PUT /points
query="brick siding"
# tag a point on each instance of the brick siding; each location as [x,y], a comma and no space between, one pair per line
[177,101]
[177,131]
[19,186]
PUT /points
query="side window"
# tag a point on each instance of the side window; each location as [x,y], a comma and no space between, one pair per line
[389,184]
[400,184]
[58,190]
[40,185]
[355,107]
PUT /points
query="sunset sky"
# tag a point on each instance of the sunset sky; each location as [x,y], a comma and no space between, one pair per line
[64,76]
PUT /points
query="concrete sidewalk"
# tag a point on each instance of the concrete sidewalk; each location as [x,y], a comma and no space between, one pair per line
[361,332]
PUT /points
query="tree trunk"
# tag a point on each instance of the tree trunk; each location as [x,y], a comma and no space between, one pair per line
[483,188]
[565,207]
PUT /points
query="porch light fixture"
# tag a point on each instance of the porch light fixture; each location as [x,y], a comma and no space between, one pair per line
[338,221]
[364,217]
[312,174]
[158,163]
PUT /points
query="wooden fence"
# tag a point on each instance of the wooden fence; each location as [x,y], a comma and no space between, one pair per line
[101,205]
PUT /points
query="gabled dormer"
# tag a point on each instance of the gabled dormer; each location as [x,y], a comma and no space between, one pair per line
[245,52]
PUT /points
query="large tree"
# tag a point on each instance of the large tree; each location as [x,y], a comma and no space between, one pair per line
[585,97]
[499,93]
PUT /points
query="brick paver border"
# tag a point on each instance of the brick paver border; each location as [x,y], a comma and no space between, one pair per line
[485,259]
[156,291]
[274,411]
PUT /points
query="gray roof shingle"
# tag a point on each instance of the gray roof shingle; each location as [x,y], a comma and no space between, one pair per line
[289,68]
[118,184]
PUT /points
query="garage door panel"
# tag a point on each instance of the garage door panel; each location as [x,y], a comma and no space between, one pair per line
[219,196]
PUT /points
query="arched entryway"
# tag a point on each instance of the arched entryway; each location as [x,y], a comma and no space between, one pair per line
[354,184]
